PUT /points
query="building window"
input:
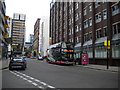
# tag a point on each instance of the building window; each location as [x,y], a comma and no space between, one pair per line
[90,35]
[115,9]
[69,31]
[72,31]
[85,37]
[70,11]
[98,33]
[65,6]
[97,4]
[76,16]
[98,17]
[85,11]
[80,15]
[72,40]
[90,21]
[76,5]
[69,21]
[116,28]
[105,14]
[90,7]
[86,24]
[76,28]
[80,26]
[80,39]
[104,31]
[72,20]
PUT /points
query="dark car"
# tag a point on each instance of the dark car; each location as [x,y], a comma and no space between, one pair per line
[17,62]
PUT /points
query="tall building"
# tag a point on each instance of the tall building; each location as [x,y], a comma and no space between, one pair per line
[36,37]
[88,25]
[4,36]
[44,35]
[3,31]
[18,33]
[31,38]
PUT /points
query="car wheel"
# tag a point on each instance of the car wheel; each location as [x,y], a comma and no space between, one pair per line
[23,68]
[10,68]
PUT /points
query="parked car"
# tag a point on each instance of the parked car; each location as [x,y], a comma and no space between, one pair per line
[17,62]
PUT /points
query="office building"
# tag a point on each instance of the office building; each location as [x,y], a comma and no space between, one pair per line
[45,34]
[3,31]
[88,25]
[18,33]
[36,37]
[31,38]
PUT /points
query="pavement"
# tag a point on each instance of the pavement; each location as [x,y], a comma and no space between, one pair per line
[102,67]
[4,64]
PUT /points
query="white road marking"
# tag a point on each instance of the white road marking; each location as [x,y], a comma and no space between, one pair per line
[35,84]
[24,77]
[29,81]
[37,80]
[50,86]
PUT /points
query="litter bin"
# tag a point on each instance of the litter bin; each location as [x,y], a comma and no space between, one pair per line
[84,59]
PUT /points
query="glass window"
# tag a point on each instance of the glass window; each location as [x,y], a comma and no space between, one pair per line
[90,21]
[76,5]
[118,27]
[98,17]
[115,29]
[97,4]
[85,11]
[90,7]
[76,16]
[76,28]
[86,24]
[80,27]
[105,14]
[104,31]
[80,15]
[115,9]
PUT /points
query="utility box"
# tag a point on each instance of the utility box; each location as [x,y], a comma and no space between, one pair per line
[84,59]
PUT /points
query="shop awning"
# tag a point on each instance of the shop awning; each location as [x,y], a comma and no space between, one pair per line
[116,37]
[100,41]
[88,43]
[78,45]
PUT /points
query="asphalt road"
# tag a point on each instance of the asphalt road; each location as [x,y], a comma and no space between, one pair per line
[40,74]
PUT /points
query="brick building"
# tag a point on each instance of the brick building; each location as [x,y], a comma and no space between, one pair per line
[36,37]
[87,25]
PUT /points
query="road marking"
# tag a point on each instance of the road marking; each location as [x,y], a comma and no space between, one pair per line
[33,83]
[24,77]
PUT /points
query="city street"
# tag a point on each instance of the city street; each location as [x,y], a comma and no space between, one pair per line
[40,74]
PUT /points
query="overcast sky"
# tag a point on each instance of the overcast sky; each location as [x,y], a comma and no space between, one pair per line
[32,8]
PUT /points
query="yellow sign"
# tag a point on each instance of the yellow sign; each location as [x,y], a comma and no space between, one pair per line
[5,34]
[5,25]
[107,43]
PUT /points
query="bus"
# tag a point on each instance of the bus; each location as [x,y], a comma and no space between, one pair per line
[61,53]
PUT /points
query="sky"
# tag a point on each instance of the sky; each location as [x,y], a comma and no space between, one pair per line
[32,8]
